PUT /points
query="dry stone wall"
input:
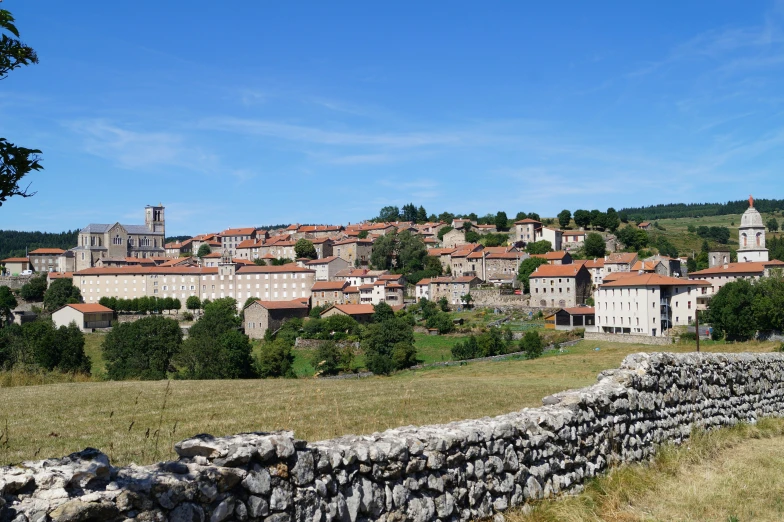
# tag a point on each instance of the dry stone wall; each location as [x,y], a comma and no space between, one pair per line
[629,338]
[457,471]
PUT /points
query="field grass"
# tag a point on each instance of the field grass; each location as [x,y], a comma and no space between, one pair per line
[436,348]
[733,474]
[123,418]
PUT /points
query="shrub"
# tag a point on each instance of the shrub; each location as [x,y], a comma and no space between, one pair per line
[187,316]
[275,359]
[531,344]
[326,360]
[687,337]
[442,321]
[142,349]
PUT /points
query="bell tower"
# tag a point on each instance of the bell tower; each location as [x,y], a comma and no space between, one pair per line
[154,218]
[226,267]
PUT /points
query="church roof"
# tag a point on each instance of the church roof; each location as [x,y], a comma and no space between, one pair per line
[102,228]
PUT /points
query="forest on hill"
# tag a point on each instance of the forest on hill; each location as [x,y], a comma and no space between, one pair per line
[14,242]
[679,210]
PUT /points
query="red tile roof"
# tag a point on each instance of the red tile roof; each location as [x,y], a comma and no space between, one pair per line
[60,275]
[15,260]
[527,220]
[294,304]
[321,286]
[753,267]
[627,258]
[47,251]
[557,271]
[653,280]
[323,260]
[580,310]
[462,279]
[89,307]
[238,231]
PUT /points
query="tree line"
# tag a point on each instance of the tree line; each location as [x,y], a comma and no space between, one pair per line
[742,308]
[14,242]
[678,210]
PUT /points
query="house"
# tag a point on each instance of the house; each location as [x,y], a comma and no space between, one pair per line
[454,238]
[327,267]
[619,262]
[718,276]
[571,318]
[323,246]
[51,276]
[525,230]
[210,239]
[179,248]
[359,276]
[354,250]
[324,293]
[15,265]
[452,288]
[388,291]
[361,312]
[96,241]
[459,224]
[422,290]
[502,267]
[561,286]
[45,259]
[650,267]
[645,225]
[261,316]
[596,269]
[351,295]
[467,260]
[444,255]
[554,236]
[672,267]
[231,238]
[572,238]
[485,229]
[311,232]
[87,316]
[647,304]
[249,249]
[66,262]
[556,258]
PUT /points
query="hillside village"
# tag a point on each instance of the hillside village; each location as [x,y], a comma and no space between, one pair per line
[278,274]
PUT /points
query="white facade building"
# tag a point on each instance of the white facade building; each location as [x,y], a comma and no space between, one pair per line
[751,236]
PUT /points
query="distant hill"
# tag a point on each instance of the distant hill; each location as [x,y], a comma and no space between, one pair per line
[679,210]
[14,242]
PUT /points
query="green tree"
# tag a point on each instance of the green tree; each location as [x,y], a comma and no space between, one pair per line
[382,312]
[383,251]
[315,312]
[539,247]
[142,349]
[409,213]
[60,293]
[193,303]
[769,303]
[389,213]
[259,262]
[34,289]
[73,359]
[363,234]
[411,252]
[304,248]
[443,304]
[564,218]
[421,216]
[443,231]
[594,245]
[389,346]
[501,221]
[731,310]
[632,237]
[327,359]
[773,224]
[531,344]
[7,304]
[528,267]
[15,162]
[275,359]
[442,321]
[597,219]
[534,216]
[204,250]
[472,236]
[467,299]
[611,220]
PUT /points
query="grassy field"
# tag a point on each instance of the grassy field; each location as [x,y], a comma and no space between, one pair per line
[732,474]
[436,348]
[139,421]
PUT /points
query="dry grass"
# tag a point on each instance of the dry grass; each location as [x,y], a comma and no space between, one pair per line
[121,418]
[725,475]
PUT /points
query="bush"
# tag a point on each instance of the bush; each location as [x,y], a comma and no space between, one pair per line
[142,349]
[34,289]
[442,321]
[687,337]
[531,344]
[187,316]
[326,360]
[275,359]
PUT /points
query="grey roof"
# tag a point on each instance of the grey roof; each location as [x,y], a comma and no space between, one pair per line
[100,228]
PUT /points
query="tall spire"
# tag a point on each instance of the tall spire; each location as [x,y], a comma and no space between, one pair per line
[751,201]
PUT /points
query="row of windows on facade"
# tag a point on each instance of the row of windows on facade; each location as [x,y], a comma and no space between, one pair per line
[117,240]
[215,295]
[552,290]
[193,279]
[653,305]
[203,287]
[653,320]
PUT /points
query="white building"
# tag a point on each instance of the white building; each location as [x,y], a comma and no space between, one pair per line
[422,290]
[751,236]
[647,304]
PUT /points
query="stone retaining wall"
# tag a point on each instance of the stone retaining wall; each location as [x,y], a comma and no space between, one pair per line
[493,297]
[628,338]
[457,471]
[15,282]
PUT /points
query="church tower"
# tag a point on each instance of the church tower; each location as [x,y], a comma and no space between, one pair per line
[155,219]
[751,236]
[226,267]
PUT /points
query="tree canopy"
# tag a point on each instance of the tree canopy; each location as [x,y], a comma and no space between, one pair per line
[528,267]
[15,162]
[305,248]
[142,349]
[594,245]
[60,293]
[539,247]
[564,218]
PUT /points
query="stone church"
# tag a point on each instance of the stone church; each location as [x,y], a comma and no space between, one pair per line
[751,240]
[118,242]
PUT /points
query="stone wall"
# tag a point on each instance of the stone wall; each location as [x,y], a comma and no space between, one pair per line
[15,282]
[458,471]
[628,338]
[493,297]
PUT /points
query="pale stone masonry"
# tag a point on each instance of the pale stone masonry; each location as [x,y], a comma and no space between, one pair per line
[452,288]
[647,304]
[261,316]
[46,259]
[562,286]
[354,251]
[327,268]
[464,470]
[269,283]
[325,293]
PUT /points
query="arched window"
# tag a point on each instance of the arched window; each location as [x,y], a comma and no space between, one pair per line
[759,238]
[117,240]
[744,239]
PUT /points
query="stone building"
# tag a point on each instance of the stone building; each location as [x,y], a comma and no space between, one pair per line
[261,316]
[562,286]
[46,259]
[647,304]
[525,230]
[325,293]
[116,241]
[227,279]
[356,251]
[327,268]
[231,238]
[620,262]
[454,238]
[751,236]
[502,267]
[452,288]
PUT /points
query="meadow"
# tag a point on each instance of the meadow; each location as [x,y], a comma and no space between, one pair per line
[138,421]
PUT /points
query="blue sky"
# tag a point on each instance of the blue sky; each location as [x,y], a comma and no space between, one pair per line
[251,113]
